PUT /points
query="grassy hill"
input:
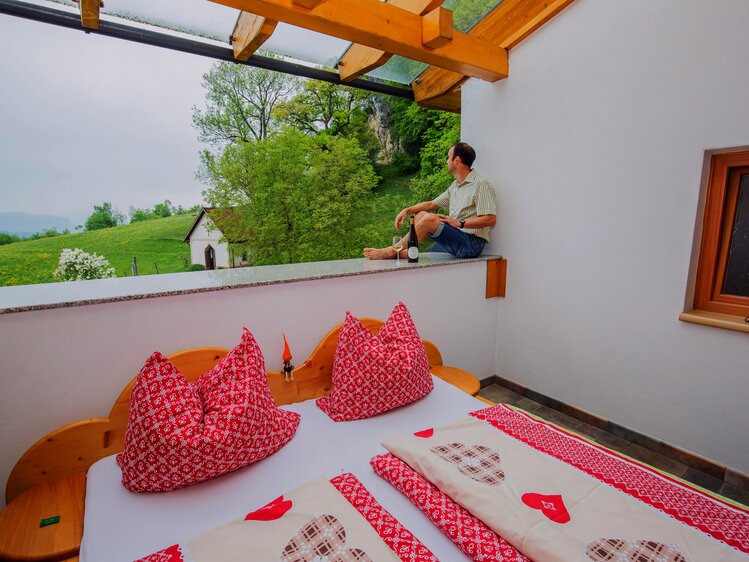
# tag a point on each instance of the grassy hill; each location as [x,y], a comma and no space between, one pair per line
[156,244]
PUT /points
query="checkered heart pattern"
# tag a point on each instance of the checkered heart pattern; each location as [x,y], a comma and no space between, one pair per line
[474,538]
[322,538]
[475,461]
[180,433]
[725,522]
[376,373]
[399,539]
[618,550]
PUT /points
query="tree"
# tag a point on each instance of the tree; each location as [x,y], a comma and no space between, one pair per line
[325,108]
[104,216]
[239,103]
[292,197]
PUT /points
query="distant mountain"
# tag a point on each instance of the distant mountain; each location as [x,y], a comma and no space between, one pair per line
[25,224]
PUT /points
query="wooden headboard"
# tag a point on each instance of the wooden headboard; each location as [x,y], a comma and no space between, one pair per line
[76,446]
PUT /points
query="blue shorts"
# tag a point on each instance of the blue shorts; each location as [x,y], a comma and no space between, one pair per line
[456,242]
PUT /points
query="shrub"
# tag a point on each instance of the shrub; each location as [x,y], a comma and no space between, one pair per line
[77,265]
[196,267]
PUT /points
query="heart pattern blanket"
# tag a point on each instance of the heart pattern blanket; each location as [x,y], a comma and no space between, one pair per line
[331,521]
[562,498]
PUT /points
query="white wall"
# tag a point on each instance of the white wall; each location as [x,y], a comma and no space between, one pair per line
[67,364]
[595,145]
[201,237]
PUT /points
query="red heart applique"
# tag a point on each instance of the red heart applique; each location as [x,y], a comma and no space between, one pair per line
[270,512]
[426,433]
[551,506]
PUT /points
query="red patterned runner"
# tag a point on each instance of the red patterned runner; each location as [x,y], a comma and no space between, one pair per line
[719,519]
[399,539]
[474,538]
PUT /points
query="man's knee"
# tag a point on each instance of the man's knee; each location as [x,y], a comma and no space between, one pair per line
[427,219]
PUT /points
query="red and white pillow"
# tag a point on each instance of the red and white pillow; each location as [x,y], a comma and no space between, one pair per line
[181,433]
[376,373]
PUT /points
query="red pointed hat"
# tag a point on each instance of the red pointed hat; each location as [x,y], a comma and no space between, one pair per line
[286,350]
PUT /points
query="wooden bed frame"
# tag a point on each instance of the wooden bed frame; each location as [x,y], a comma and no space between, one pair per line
[50,478]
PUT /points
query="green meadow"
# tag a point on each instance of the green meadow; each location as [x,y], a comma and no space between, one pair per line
[157,245]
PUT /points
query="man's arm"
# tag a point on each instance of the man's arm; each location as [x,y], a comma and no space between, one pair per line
[482,221]
[423,206]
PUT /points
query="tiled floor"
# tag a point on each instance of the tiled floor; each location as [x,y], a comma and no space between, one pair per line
[498,394]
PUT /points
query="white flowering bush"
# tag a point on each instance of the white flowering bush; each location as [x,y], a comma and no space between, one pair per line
[77,265]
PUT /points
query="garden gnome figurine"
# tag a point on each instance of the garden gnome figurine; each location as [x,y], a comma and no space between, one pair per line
[287,366]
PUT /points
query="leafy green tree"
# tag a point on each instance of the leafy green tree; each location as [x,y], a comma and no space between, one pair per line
[291,197]
[239,103]
[104,216]
[324,108]
[140,215]
[162,210]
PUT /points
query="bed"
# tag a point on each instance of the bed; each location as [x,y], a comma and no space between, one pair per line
[122,526]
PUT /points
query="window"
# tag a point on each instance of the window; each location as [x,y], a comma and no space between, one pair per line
[722,283]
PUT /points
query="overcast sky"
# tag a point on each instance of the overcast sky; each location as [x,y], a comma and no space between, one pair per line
[86,118]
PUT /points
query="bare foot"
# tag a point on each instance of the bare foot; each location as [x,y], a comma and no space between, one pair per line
[379,253]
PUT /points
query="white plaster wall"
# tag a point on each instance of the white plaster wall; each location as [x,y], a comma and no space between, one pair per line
[201,238]
[595,145]
[67,364]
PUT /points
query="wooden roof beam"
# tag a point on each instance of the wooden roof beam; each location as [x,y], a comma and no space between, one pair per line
[360,59]
[89,13]
[506,25]
[250,32]
[385,27]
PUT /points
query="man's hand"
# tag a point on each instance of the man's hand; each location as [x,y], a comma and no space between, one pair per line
[401,218]
[449,220]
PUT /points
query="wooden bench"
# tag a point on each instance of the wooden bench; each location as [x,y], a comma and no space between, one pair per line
[50,478]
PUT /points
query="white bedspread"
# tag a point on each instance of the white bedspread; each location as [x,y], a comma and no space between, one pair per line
[120,525]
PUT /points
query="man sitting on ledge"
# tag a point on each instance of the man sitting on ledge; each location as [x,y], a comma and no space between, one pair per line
[472,207]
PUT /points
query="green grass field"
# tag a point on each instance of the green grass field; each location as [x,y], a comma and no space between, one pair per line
[157,244]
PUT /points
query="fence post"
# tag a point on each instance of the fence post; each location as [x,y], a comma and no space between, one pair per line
[134,267]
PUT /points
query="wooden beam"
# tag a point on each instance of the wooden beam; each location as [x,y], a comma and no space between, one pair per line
[506,25]
[249,33]
[360,59]
[89,13]
[308,4]
[445,102]
[385,27]
[437,28]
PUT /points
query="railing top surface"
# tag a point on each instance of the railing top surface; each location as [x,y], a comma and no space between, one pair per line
[45,296]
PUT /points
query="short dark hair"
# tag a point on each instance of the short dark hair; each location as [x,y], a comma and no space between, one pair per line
[465,152]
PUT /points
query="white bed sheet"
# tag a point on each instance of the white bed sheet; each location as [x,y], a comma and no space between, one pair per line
[120,525]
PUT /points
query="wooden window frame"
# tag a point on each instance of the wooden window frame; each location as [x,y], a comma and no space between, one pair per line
[720,212]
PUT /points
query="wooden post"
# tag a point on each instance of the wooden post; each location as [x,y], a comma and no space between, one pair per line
[134,267]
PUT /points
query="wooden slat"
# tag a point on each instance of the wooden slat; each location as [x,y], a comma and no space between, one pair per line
[496,278]
[360,59]
[506,25]
[386,27]
[90,13]
[250,32]
[437,28]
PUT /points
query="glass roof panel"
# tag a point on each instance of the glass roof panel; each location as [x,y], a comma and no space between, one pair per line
[467,13]
[194,17]
[305,45]
[399,69]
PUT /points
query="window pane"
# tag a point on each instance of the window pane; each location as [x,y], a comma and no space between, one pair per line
[737,268]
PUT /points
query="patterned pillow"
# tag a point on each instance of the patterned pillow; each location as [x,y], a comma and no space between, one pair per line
[180,433]
[376,373]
